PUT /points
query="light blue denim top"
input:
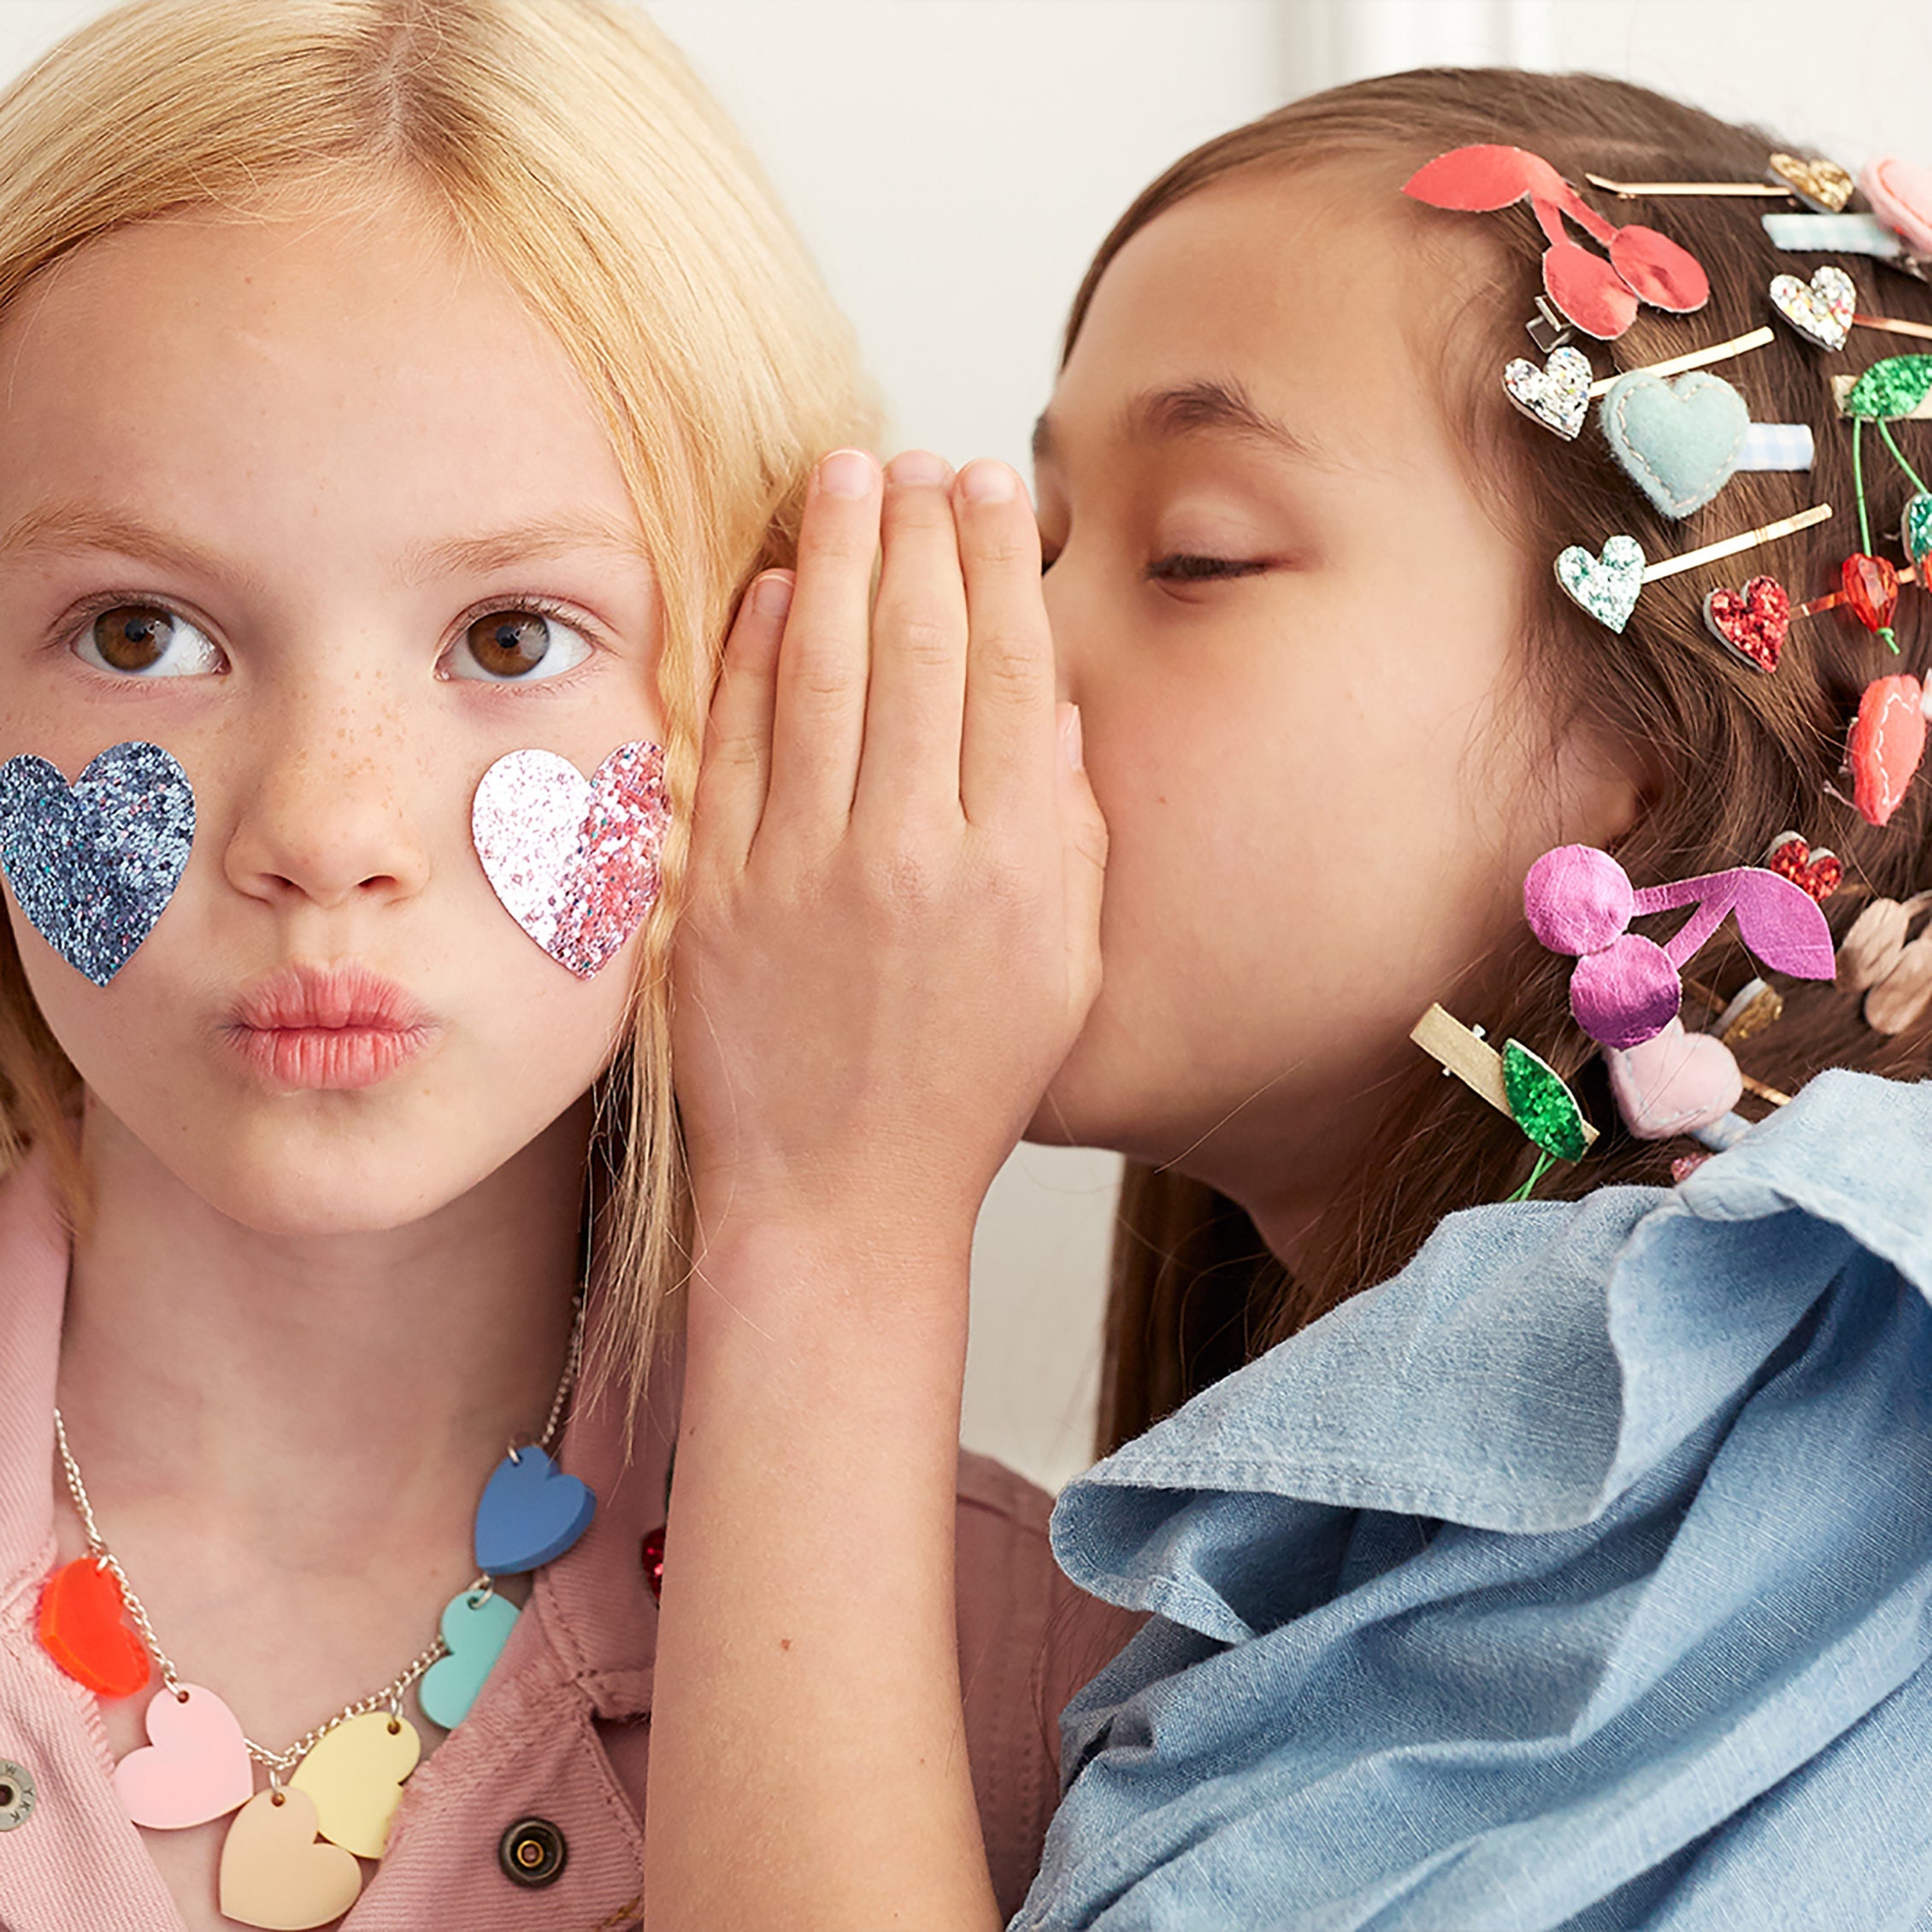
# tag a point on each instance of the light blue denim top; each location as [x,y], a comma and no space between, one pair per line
[1578,1576]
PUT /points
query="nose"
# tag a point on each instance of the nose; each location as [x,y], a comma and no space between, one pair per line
[322,817]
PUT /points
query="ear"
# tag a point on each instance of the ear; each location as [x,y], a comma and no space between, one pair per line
[1606,785]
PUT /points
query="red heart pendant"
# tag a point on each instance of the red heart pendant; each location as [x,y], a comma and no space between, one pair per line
[1752,622]
[83,1628]
[1820,873]
[1871,588]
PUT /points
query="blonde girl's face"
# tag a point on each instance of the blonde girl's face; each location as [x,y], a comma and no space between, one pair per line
[363,511]
[1294,634]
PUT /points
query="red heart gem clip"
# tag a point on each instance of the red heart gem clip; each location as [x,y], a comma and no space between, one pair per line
[1598,297]
[1820,873]
[1752,622]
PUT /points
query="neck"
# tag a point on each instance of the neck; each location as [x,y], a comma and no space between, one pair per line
[204,1359]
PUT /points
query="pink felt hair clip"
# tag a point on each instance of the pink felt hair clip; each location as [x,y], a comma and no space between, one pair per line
[1626,989]
[1600,296]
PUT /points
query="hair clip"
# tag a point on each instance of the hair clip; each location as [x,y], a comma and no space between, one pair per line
[1607,586]
[1755,1005]
[1894,390]
[1600,296]
[1681,440]
[1625,989]
[1820,873]
[1894,973]
[1837,235]
[1558,395]
[1822,185]
[1884,746]
[1825,309]
[1902,193]
[1517,1083]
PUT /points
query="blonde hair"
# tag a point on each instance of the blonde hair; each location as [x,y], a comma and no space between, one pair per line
[568,145]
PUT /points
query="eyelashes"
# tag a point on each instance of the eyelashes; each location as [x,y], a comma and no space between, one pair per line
[513,640]
[1184,567]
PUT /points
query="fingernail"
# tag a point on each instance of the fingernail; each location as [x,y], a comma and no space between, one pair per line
[985,480]
[846,473]
[771,595]
[918,466]
[1070,742]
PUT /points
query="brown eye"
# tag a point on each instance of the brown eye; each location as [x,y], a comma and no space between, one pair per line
[131,637]
[524,646]
[508,642]
[144,640]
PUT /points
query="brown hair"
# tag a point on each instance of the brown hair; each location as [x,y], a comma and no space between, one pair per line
[1741,756]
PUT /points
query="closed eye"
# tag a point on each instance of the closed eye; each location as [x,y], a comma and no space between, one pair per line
[1186,568]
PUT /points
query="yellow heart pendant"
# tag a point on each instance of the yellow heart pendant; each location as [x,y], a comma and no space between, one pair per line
[273,1873]
[355,1776]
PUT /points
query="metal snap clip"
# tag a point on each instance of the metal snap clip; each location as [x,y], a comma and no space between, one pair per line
[532,1852]
[16,1793]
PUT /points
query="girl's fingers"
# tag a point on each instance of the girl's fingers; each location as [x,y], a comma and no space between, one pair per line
[1083,834]
[819,718]
[1006,761]
[912,713]
[736,770]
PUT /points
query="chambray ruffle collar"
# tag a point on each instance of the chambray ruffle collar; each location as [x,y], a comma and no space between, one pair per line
[1533,1362]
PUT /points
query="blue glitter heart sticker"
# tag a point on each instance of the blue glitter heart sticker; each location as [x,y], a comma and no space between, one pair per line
[93,864]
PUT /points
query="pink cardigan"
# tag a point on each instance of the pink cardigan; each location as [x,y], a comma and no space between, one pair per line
[561,1729]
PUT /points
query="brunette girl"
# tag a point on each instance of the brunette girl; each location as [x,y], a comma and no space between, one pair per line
[1576,1574]
[397,394]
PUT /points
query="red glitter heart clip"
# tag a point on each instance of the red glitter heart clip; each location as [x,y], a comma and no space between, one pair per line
[1600,296]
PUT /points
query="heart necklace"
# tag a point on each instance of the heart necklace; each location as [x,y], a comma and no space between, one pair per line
[289,1859]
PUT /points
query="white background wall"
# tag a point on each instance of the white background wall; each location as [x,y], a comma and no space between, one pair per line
[953,163]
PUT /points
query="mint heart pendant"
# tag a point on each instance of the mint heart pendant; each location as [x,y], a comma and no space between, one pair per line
[1606,585]
[1557,395]
[93,864]
[476,1628]
[1915,529]
[1678,441]
[530,1513]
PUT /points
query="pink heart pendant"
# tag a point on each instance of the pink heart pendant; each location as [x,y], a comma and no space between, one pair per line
[195,1768]
[1673,1083]
[574,860]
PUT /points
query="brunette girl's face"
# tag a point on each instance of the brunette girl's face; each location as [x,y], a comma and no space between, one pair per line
[317,506]
[1293,632]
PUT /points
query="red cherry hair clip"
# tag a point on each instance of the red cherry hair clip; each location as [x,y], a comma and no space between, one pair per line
[1600,296]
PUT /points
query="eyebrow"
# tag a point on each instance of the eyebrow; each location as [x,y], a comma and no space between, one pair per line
[75,524]
[1206,407]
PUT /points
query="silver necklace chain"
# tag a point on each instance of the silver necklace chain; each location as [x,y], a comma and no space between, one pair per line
[279,1764]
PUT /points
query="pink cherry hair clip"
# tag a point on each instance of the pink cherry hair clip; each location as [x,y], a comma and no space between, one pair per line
[1600,296]
[1626,989]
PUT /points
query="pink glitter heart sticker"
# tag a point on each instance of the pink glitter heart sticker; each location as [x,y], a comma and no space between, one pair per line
[574,860]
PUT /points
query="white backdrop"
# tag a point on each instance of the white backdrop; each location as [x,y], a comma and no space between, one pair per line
[953,163]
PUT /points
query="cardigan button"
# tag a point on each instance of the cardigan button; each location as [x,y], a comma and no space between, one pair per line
[16,1793]
[532,1852]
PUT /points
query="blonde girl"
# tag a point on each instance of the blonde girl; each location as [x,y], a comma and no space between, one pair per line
[397,394]
[1576,1574]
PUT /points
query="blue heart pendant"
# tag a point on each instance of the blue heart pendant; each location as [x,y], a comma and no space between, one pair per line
[93,864]
[531,1513]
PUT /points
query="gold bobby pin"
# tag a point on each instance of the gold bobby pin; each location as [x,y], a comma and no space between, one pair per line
[1785,526]
[1695,358]
[1822,185]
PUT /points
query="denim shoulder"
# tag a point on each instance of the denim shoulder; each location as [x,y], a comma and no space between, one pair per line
[1512,1588]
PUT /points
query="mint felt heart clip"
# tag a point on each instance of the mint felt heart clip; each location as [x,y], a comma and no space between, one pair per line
[1679,441]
